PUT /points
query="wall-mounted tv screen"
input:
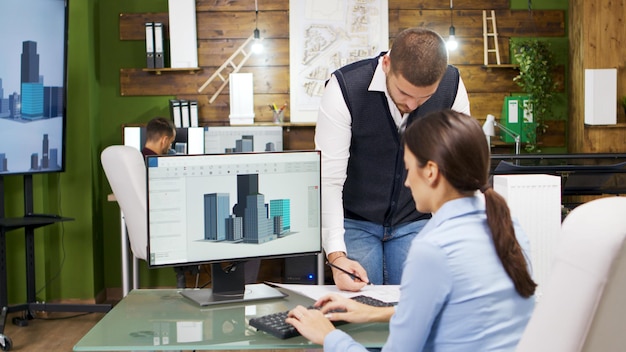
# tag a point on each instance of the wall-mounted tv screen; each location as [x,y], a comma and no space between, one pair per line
[32,86]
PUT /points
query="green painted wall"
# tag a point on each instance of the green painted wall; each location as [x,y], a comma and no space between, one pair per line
[115,110]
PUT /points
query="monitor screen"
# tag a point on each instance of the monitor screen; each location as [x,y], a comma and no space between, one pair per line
[232,207]
[237,139]
[32,86]
[225,207]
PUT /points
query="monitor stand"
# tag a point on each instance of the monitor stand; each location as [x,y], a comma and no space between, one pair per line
[229,287]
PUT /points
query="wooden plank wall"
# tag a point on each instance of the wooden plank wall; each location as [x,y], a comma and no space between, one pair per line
[597,40]
[224,25]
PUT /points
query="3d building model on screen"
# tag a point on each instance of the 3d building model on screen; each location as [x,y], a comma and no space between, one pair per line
[34,102]
[32,86]
[252,220]
[246,145]
[243,139]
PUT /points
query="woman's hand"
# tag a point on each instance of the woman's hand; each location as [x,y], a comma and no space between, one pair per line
[311,323]
[339,308]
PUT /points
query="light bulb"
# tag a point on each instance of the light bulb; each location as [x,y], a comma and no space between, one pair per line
[257,46]
[452,44]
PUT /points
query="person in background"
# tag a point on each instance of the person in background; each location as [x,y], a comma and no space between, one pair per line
[368,218]
[160,134]
[466,284]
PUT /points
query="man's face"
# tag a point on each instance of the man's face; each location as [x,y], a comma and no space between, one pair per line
[166,144]
[406,96]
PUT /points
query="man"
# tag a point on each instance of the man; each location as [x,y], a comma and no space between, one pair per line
[369,217]
[160,134]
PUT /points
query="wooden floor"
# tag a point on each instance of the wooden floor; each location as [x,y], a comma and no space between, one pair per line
[58,332]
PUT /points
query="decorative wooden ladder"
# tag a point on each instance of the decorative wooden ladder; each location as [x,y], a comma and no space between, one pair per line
[490,35]
[232,67]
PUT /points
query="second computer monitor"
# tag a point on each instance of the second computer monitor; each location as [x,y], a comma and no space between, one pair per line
[188,140]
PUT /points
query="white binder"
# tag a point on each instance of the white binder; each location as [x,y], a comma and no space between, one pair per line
[149,44]
[159,61]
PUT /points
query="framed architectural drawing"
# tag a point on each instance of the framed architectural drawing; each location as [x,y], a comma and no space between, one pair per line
[325,35]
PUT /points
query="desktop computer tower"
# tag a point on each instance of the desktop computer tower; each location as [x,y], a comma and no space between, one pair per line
[300,270]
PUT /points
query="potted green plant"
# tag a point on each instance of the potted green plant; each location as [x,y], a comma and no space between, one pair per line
[623,102]
[536,64]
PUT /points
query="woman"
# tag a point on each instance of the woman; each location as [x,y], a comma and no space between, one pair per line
[457,292]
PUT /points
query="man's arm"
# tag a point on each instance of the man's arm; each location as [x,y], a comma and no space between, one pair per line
[461,103]
[332,137]
[333,134]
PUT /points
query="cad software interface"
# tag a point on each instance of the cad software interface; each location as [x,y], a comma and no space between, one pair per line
[222,207]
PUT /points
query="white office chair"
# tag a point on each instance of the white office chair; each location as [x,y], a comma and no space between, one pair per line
[584,303]
[125,169]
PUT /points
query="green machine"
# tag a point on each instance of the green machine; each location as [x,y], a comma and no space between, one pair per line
[517,116]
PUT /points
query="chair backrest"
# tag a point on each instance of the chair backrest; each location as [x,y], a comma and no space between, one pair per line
[583,307]
[125,169]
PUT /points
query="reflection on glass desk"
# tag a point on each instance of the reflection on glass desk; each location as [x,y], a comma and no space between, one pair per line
[162,319]
[581,174]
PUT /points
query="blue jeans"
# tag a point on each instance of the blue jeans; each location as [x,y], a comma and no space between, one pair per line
[380,250]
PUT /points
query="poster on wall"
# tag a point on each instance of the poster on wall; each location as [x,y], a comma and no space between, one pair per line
[32,86]
[324,36]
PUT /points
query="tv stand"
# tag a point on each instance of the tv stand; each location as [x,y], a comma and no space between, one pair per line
[29,223]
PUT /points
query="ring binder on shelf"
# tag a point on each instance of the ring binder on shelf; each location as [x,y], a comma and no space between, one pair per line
[176,113]
[193,113]
[149,44]
[159,61]
[184,112]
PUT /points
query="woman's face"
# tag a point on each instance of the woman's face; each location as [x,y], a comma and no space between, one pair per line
[417,179]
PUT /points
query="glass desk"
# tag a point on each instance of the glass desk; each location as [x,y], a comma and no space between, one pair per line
[162,319]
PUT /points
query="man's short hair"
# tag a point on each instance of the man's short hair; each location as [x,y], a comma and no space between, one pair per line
[420,56]
[158,127]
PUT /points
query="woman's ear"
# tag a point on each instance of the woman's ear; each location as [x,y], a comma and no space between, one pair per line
[432,173]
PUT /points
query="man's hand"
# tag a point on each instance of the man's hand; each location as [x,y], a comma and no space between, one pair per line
[343,280]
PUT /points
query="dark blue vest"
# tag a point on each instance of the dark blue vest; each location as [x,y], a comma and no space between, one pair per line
[374,189]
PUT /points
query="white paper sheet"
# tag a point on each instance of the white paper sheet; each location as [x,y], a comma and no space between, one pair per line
[385,293]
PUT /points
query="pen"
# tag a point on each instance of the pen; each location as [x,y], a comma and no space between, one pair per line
[353,276]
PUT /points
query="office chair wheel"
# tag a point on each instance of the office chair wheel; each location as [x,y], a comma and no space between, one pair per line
[5,343]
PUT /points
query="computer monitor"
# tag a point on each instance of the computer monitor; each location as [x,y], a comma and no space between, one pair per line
[189,140]
[231,207]
[33,86]
[237,139]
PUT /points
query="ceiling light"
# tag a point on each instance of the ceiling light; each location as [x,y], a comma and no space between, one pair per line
[452,44]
